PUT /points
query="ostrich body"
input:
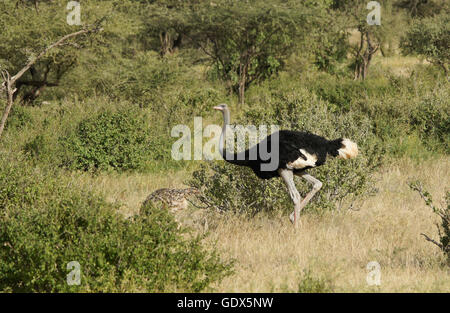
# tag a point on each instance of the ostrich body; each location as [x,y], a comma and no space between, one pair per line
[297,152]
[172,199]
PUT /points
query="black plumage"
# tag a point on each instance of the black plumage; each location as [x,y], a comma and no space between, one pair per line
[290,144]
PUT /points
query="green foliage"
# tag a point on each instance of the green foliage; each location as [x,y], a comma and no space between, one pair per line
[186,104]
[442,212]
[310,284]
[46,222]
[331,51]
[38,147]
[432,119]
[228,187]
[341,93]
[430,37]
[423,8]
[247,41]
[28,29]
[111,140]
[140,78]
[18,118]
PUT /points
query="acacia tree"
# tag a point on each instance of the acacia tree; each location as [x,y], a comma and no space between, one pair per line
[158,19]
[9,83]
[27,28]
[430,37]
[36,47]
[248,41]
[371,37]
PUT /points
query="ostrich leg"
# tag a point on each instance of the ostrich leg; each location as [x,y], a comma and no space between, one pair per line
[317,184]
[288,177]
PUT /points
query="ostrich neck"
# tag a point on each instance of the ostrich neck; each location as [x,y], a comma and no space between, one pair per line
[226,122]
[237,159]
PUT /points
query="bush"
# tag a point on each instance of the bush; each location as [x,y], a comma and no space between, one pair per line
[144,76]
[182,106]
[110,140]
[411,110]
[431,117]
[430,38]
[443,213]
[45,223]
[18,118]
[345,93]
[39,147]
[310,284]
[228,187]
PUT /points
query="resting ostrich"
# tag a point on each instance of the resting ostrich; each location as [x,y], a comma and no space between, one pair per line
[297,152]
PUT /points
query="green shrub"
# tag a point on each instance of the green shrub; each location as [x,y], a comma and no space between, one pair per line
[110,140]
[430,38]
[228,187]
[431,117]
[197,101]
[144,76]
[415,108]
[182,106]
[18,117]
[38,147]
[46,222]
[340,93]
[444,214]
[310,284]
[344,93]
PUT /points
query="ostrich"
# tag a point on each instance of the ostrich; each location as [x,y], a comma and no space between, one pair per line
[297,152]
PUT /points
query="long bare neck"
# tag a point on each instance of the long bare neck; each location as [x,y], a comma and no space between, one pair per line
[226,122]
[233,158]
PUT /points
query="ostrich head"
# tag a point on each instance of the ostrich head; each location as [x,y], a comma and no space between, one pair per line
[221,107]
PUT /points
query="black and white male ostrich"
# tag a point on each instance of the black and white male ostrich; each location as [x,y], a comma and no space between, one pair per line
[297,152]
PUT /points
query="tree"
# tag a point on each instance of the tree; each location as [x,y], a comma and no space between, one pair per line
[21,50]
[27,28]
[430,37]
[159,18]
[247,41]
[8,84]
[26,31]
[371,37]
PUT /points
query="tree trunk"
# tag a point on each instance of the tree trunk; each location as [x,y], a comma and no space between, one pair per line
[363,60]
[164,38]
[168,44]
[242,81]
[9,102]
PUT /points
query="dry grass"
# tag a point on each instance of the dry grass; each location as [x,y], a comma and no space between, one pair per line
[398,65]
[270,255]
[129,189]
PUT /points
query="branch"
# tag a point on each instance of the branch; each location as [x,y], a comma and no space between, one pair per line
[433,241]
[53,45]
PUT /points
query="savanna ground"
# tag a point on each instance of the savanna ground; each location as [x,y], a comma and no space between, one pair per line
[89,138]
[334,247]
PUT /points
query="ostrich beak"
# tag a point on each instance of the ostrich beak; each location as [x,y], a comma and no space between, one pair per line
[218,108]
